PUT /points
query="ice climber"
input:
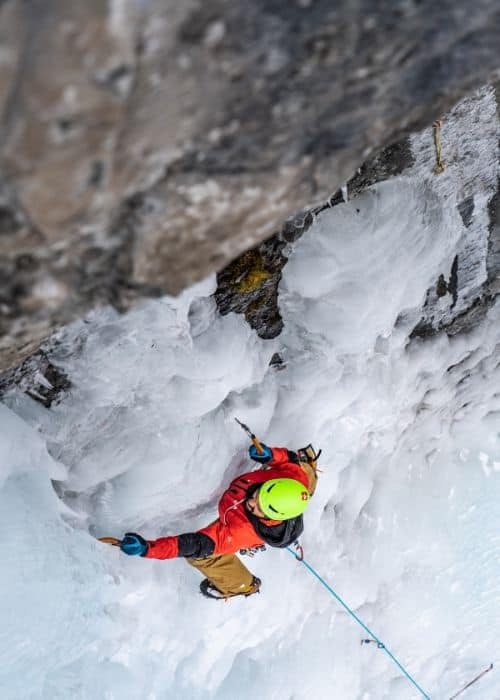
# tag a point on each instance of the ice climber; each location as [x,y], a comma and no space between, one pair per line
[260,507]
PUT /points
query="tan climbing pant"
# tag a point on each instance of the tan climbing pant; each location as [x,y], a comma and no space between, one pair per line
[227,573]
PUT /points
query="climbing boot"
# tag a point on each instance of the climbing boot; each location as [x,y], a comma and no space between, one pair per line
[308,454]
[208,589]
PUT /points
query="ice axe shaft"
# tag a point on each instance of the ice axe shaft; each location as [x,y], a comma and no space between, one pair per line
[258,446]
[110,540]
[474,680]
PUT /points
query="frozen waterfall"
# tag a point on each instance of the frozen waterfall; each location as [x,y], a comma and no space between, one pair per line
[404,523]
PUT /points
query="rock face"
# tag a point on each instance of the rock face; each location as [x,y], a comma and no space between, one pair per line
[463,294]
[466,185]
[249,284]
[469,136]
[146,143]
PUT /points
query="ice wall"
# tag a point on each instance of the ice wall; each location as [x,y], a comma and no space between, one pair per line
[403,523]
[55,584]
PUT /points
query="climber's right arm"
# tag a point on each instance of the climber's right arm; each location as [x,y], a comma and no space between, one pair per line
[194,545]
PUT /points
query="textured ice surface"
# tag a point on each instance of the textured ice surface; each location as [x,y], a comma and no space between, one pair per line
[404,523]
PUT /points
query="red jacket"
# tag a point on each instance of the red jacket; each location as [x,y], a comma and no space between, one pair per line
[232,530]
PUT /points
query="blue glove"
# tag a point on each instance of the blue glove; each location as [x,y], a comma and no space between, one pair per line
[134,544]
[264,457]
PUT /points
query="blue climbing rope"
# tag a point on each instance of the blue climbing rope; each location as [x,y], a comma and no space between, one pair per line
[353,614]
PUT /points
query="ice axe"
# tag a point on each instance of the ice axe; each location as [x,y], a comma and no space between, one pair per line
[110,540]
[258,446]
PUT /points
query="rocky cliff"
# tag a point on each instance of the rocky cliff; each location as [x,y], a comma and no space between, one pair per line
[146,143]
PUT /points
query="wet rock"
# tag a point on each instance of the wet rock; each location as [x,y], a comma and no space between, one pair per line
[249,285]
[464,294]
[391,161]
[277,362]
[39,378]
[491,288]
[466,210]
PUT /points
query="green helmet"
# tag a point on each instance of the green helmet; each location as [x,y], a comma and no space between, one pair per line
[282,499]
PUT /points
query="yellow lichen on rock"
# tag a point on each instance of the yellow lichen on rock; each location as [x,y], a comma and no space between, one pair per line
[254,275]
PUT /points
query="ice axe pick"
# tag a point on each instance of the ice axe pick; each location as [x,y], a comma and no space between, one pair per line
[258,446]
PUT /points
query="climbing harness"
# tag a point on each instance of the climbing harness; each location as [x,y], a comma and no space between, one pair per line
[440,166]
[353,614]
[252,551]
[472,682]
